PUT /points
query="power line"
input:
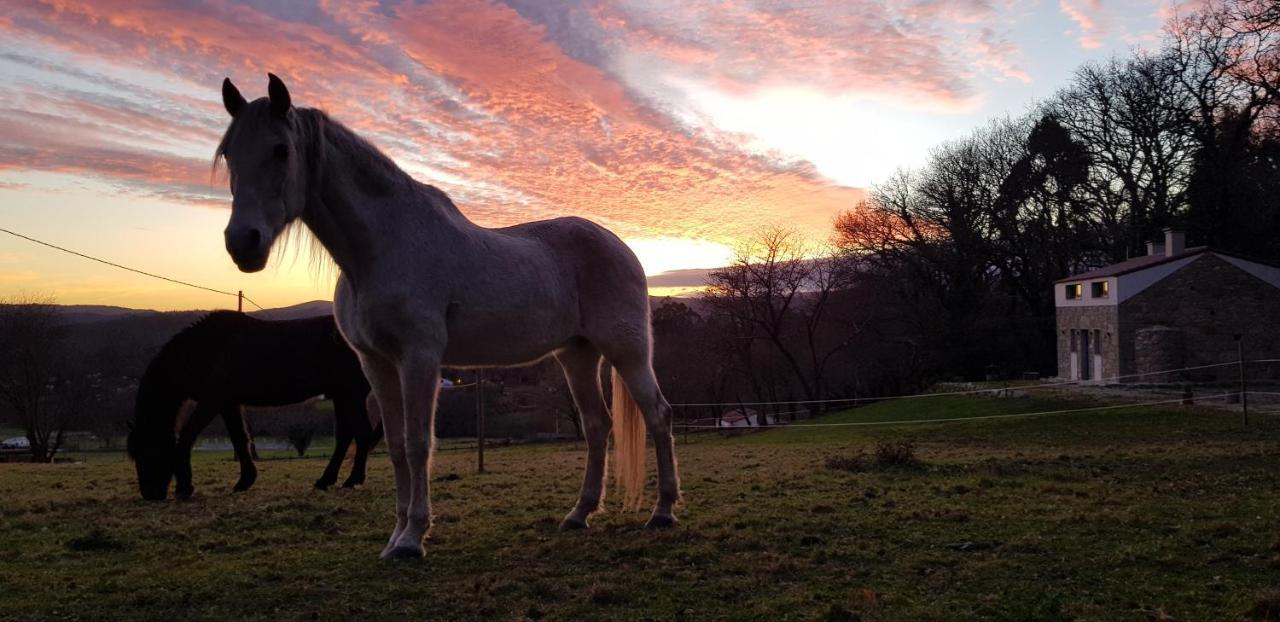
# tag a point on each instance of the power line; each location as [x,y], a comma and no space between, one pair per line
[127,268]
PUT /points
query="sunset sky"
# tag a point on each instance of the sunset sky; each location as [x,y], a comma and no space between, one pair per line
[682,126]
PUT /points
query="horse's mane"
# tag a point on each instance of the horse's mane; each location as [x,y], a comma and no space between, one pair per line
[173,349]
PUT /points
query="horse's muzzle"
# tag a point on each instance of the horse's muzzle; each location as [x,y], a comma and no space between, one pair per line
[248,247]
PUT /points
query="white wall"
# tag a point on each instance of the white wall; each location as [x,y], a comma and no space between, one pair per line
[1061,300]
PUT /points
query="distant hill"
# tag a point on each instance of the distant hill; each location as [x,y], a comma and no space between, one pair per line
[81,314]
[298,311]
[76,314]
[123,340]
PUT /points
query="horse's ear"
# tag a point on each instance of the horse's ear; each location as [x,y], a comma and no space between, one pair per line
[278,94]
[232,100]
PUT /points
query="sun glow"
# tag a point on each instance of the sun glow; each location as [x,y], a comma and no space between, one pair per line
[855,140]
[664,254]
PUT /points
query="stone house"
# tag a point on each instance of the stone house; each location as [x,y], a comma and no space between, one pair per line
[1173,308]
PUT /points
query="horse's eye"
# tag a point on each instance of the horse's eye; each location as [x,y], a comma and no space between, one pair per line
[281,152]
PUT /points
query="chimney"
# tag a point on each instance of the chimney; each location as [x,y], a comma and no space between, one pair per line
[1175,242]
[1155,248]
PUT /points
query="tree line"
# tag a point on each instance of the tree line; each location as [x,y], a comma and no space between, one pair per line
[947,271]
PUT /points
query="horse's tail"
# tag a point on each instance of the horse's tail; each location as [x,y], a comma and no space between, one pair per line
[628,445]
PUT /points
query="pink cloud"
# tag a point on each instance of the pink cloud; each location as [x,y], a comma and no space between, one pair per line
[1087,20]
[906,50]
[477,97]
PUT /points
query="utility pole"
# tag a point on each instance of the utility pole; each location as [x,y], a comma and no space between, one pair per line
[1244,389]
[240,300]
[480,420]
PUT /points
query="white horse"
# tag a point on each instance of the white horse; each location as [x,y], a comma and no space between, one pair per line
[421,286]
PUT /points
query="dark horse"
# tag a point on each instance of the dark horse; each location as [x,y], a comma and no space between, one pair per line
[227,360]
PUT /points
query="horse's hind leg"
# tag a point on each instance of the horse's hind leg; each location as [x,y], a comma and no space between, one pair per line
[581,365]
[233,417]
[637,373]
[195,423]
[341,442]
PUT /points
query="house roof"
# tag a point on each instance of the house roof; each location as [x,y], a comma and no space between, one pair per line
[1148,261]
[1136,264]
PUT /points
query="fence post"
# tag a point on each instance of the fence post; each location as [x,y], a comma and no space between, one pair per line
[480,421]
[240,300]
[1244,389]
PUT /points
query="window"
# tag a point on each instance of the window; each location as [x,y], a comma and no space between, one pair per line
[1101,289]
[1074,291]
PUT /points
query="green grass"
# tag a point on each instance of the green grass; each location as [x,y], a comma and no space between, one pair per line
[1128,514]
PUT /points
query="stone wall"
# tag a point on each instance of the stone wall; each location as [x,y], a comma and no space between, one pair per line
[1209,301]
[1100,318]
[1157,349]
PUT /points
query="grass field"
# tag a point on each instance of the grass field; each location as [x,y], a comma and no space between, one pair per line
[1132,514]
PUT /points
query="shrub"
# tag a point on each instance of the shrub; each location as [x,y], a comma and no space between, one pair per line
[300,436]
[901,454]
[886,456]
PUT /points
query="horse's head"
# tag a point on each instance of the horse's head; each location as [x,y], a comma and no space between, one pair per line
[268,181]
[151,445]
[153,457]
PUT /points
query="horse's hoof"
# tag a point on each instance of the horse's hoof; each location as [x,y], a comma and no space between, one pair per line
[403,552]
[572,523]
[322,484]
[184,495]
[352,483]
[241,487]
[661,521]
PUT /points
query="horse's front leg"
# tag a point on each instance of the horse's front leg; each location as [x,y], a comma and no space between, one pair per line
[366,439]
[341,443]
[419,383]
[195,424]
[385,381]
[366,436]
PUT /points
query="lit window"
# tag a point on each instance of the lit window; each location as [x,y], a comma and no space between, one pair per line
[1101,289]
[1074,291]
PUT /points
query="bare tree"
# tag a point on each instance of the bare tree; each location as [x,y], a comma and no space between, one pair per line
[777,292]
[1134,119]
[34,382]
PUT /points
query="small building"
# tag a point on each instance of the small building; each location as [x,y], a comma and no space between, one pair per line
[744,418]
[1173,308]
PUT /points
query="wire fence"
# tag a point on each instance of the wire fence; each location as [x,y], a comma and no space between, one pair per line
[1025,387]
[236,294]
[1061,411]
[1177,391]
